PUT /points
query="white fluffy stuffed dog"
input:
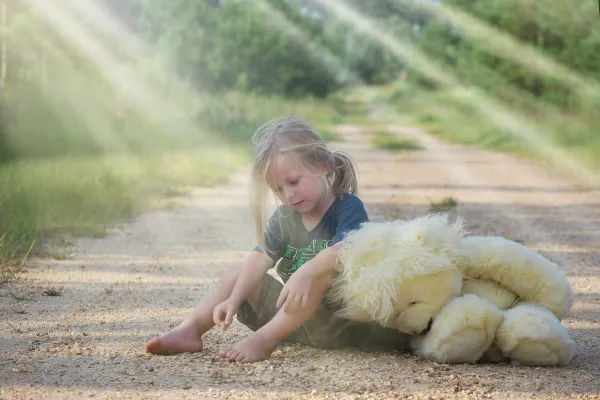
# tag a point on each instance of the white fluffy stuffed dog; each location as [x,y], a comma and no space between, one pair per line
[463,299]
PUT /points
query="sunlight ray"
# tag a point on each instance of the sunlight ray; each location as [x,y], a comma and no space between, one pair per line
[331,61]
[504,45]
[110,26]
[516,125]
[66,102]
[124,79]
[460,169]
[122,37]
[334,63]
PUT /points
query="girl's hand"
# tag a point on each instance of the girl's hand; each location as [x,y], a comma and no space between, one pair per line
[228,308]
[296,291]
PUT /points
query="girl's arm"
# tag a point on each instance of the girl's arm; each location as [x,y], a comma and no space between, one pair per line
[324,262]
[256,266]
[299,287]
[252,273]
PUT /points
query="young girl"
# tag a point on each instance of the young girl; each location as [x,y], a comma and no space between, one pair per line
[317,189]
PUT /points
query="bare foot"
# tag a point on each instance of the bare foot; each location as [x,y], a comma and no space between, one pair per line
[254,348]
[178,340]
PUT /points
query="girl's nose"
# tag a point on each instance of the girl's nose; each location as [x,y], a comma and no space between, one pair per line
[288,193]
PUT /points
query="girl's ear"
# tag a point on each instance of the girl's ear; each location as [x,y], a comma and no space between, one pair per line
[325,169]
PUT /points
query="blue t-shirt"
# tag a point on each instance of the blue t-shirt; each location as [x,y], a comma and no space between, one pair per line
[287,239]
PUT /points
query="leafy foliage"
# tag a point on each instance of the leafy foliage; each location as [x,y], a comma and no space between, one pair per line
[561,33]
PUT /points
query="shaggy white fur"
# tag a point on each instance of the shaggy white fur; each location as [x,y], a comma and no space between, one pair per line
[520,270]
[530,335]
[461,332]
[379,257]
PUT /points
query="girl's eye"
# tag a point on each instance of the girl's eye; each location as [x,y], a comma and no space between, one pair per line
[294,182]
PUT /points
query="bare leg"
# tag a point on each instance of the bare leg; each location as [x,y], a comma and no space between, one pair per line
[187,337]
[263,342]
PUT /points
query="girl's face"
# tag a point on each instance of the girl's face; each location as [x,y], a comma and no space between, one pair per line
[297,185]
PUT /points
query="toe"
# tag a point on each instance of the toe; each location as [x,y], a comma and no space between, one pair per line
[232,354]
[223,352]
[153,346]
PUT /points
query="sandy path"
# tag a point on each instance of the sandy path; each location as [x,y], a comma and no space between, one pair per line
[147,274]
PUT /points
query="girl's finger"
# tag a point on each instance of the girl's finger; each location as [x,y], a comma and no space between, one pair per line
[304,300]
[289,302]
[306,297]
[297,302]
[217,316]
[282,297]
[229,317]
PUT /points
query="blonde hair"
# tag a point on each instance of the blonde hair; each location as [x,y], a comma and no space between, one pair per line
[295,135]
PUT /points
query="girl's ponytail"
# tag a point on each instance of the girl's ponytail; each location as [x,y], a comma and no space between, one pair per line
[345,177]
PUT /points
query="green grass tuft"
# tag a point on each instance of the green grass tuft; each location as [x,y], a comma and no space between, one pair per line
[446,204]
[12,260]
[387,141]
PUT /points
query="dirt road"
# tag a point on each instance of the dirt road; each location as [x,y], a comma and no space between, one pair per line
[119,291]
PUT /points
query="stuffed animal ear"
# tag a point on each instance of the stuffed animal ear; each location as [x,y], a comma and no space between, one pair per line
[519,269]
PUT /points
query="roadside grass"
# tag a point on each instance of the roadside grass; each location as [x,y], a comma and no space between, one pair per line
[80,177]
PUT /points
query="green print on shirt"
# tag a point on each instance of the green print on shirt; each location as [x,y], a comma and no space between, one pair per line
[294,258]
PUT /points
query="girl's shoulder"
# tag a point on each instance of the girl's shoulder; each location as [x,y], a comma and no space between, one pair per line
[350,214]
[351,200]
[352,206]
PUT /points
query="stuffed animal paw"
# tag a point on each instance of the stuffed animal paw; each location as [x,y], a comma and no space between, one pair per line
[534,294]
[461,333]
[531,335]
[483,325]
